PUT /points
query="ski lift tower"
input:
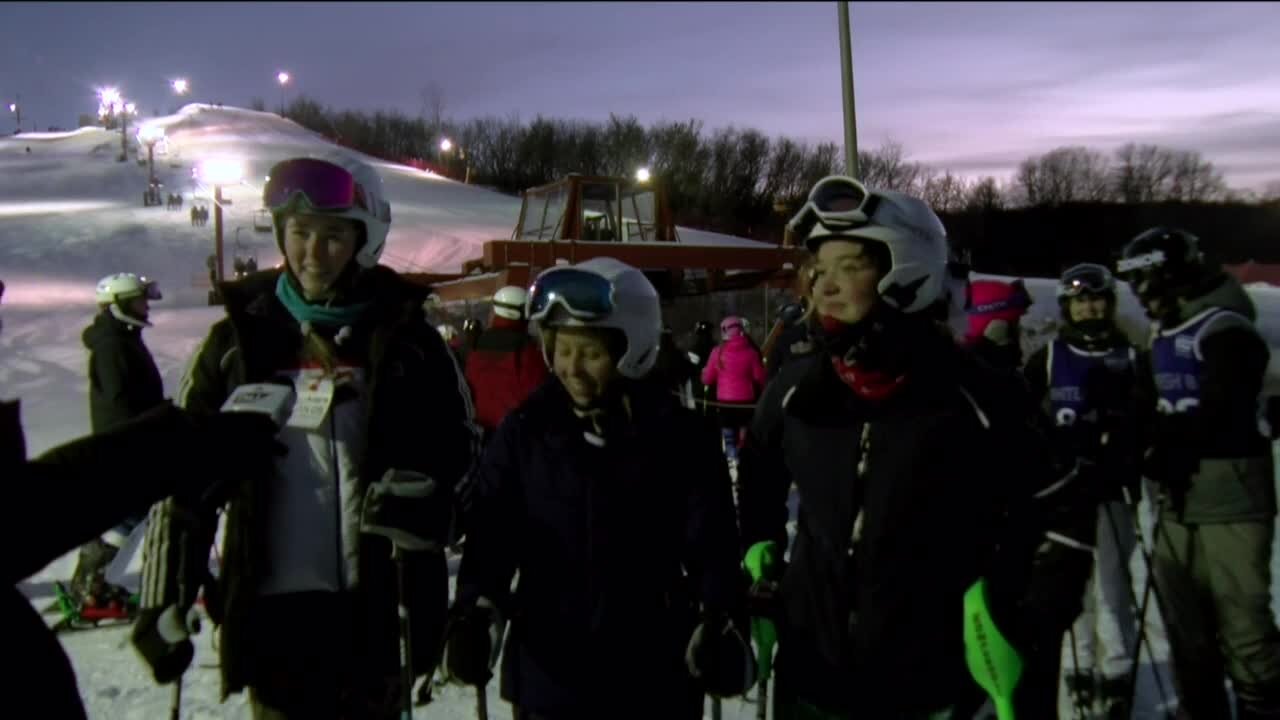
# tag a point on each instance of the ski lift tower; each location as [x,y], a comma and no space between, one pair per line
[218,172]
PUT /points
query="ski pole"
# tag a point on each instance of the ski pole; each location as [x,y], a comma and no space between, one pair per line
[482,703]
[175,705]
[1142,637]
[715,708]
[1148,590]
[1075,667]
[406,655]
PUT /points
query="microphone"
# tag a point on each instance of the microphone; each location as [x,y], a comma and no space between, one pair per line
[273,399]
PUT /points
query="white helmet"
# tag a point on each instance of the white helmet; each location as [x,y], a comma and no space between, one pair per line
[448,332]
[509,302]
[114,288]
[336,184]
[842,208]
[603,293]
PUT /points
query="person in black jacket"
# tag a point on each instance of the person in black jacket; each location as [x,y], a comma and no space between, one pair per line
[915,466]
[613,504]
[1085,380]
[1204,375]
[155,447]
[123,383]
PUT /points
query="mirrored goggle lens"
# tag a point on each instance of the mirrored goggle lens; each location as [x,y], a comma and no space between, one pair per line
[1094,280]
[837,196]
[583,294]
[325,185]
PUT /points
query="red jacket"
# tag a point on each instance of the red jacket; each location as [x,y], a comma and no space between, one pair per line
[503,368]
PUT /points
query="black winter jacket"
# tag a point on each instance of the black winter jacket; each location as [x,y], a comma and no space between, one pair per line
[936,483]
[418,417]
[154,446]
[615,546]
[123,379]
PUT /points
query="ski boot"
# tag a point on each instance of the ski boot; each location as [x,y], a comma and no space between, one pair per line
[1113,700]
[1082,690]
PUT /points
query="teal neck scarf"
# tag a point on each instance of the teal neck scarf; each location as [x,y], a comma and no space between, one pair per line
[321,315]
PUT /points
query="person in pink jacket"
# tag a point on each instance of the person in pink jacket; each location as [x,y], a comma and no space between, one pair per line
[737,371]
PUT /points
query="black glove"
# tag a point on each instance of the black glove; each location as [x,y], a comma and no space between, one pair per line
[720,657]
[473,641]
[236,447]
[162,637]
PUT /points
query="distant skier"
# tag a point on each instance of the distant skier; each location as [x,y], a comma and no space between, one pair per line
[1204,377]
[1086,381]
[123,383]
[915,467]
[737,370]
[308,609]
[506,365]
[613,505]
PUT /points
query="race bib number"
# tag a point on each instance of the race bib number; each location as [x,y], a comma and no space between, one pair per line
[315,395]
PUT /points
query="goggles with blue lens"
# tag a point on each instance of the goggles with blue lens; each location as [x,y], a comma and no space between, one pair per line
[584,295]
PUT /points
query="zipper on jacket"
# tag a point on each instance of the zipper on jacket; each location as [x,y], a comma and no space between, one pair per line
[337,493]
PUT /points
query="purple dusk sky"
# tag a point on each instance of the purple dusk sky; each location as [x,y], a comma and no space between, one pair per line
[974,87]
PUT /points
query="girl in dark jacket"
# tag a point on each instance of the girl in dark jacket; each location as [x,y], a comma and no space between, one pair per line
[915,467]
[613,504]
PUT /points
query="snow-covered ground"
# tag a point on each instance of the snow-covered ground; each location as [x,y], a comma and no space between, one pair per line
[70,214]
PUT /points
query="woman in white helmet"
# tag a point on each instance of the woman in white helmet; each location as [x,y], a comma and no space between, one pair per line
[602,492]
[911,462]
[308,602]
[123,383]
[506,364]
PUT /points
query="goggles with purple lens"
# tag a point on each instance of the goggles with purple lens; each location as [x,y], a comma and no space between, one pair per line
[324,185]
[1086,278]
[584,295]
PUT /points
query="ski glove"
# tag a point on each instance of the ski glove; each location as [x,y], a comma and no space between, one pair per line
[473,641]
[242,446]
[162,637]
[720,657]
[409,509]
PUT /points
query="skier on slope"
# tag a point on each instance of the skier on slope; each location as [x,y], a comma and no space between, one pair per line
[1204,375]
[309,612]
[613,505]
[123,383]
[1085,380]
[506,364]
[915,466]
[156,447]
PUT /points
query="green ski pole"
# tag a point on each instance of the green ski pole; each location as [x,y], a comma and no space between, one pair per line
[993,662]
[762,563]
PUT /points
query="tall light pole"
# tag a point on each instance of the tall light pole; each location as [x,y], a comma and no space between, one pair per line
[846,75]
[16,108]
[282,78]
[219,172]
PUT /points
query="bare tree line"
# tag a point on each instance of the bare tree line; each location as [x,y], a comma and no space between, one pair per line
[741,181]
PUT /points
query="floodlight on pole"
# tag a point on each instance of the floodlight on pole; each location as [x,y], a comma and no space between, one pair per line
[642,175]
[283,78]
[446,145]
[130,108]
[219,171]
[180,86]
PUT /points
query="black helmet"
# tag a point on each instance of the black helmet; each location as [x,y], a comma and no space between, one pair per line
[1092,280]
[1162,263]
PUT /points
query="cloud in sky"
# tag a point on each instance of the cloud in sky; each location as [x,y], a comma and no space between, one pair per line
[975,87]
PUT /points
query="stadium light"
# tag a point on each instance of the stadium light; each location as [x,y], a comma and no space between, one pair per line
[180,86]
[221,171]
[282,78]
[446,145]
[642,175]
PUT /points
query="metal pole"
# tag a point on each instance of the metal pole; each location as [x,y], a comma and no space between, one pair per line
[846,74]
[217,230]
[151,163]
[124,135]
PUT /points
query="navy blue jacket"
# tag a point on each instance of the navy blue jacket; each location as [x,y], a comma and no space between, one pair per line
[616,548]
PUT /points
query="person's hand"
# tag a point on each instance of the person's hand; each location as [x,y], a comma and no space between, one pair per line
[237,447]
[162,638]
[473,641]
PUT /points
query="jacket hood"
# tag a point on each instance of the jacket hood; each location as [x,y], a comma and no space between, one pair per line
[1222,291]
[105,329]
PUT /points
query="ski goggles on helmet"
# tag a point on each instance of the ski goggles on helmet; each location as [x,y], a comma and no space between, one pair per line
[1086,278]
[150,290]
[584,295]
[324,185]
[838,203]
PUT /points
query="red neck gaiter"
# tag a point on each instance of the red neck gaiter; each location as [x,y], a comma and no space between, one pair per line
[868,384]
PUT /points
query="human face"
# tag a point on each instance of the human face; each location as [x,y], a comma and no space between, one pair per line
[844,280]
[318,248]
[581,362]
[138,307]
[1087,307]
